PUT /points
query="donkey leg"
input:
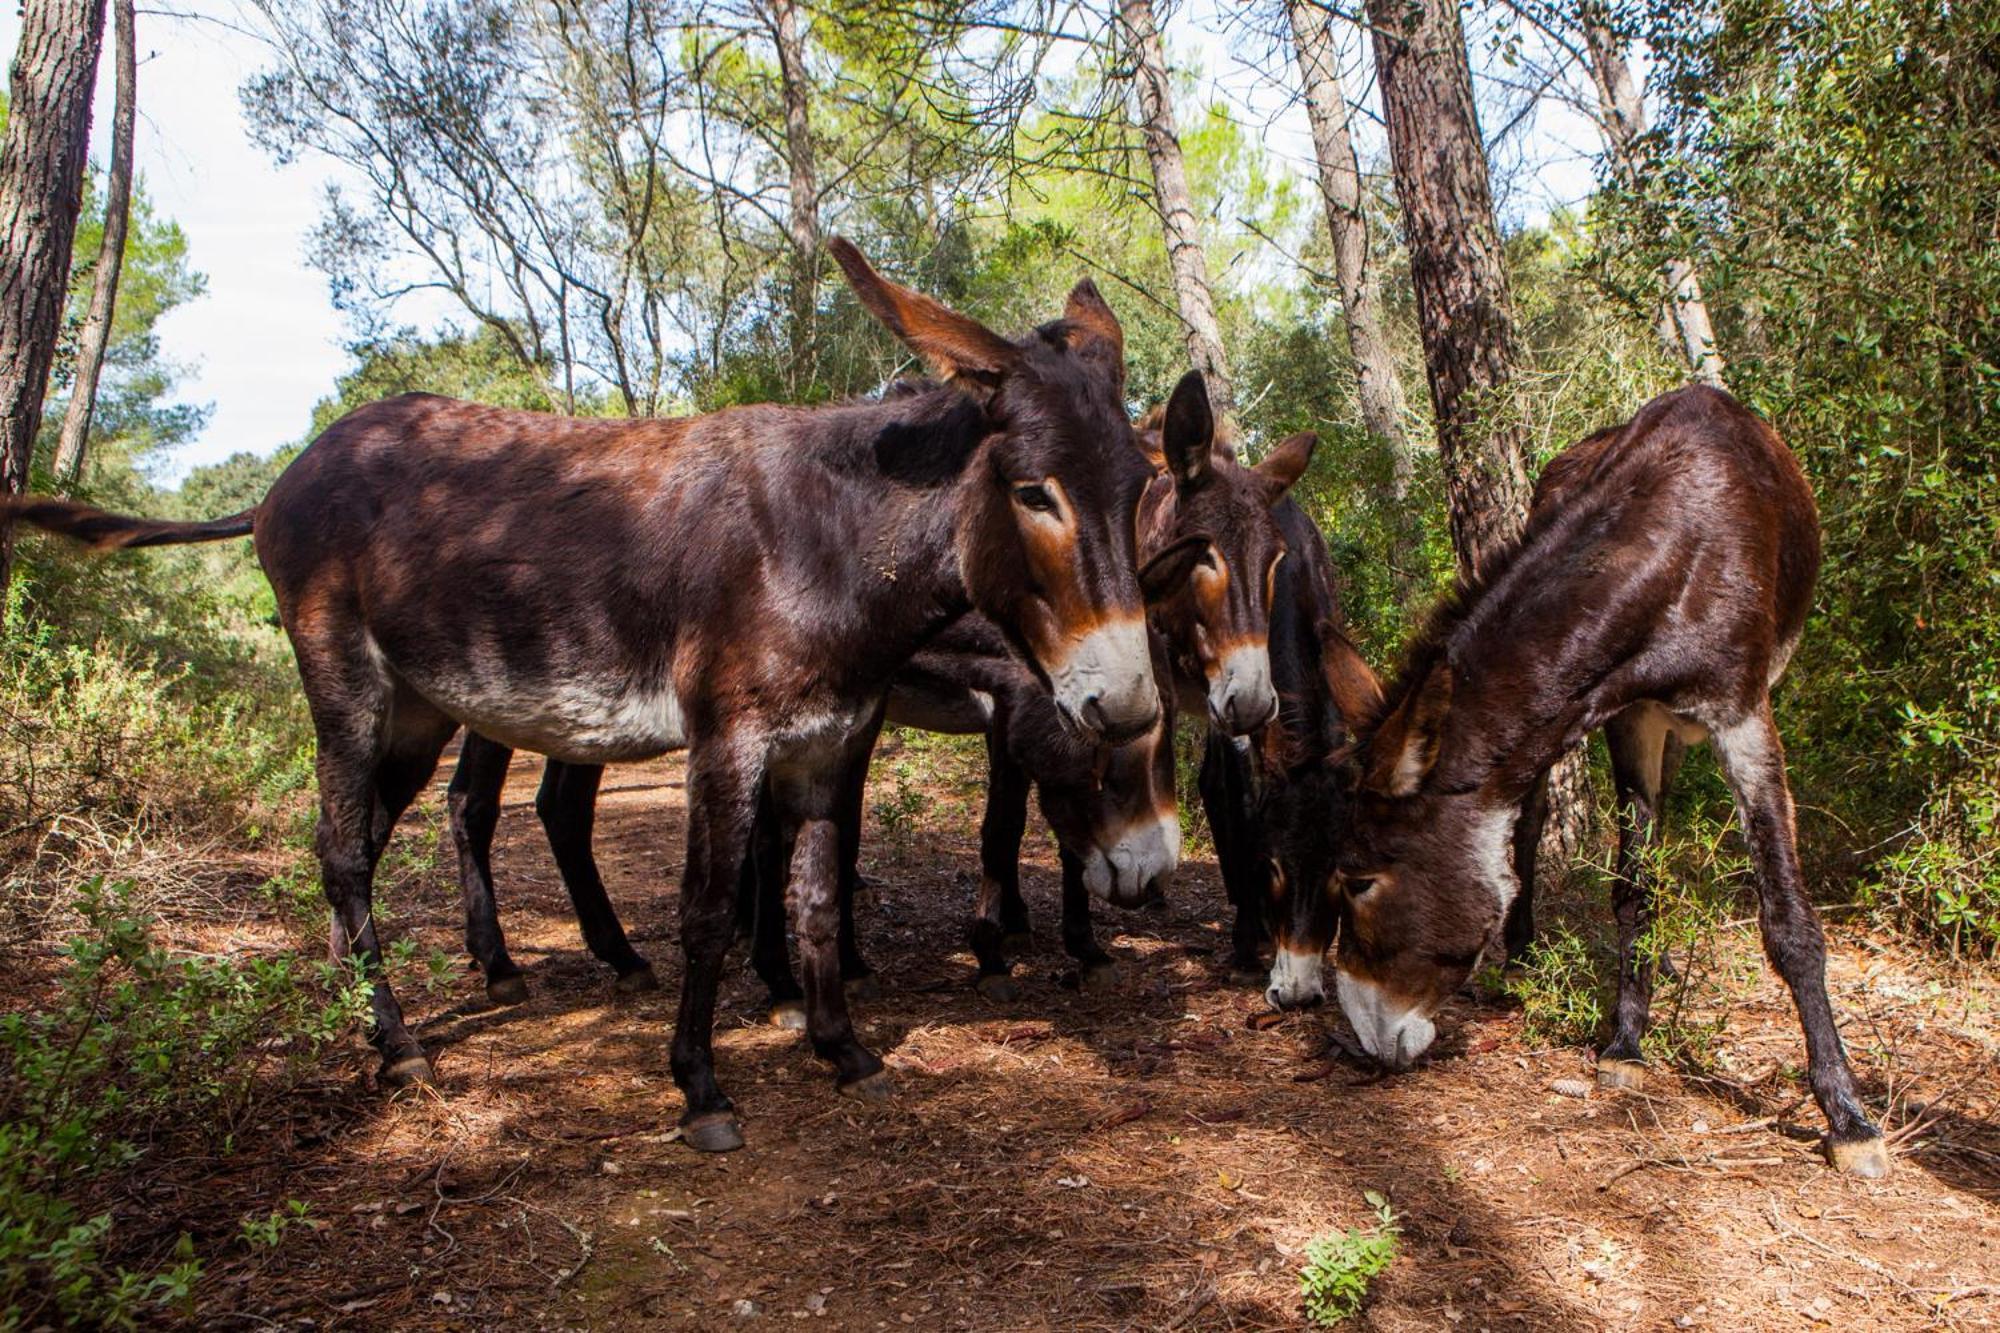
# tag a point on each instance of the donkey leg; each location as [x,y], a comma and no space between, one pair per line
[854,969]
[1225,799]
[1519,931]
[567,805]
[764,871]
[474,809]
[1095,969]
[1000,833]
[722,786]
[1637,740]
[1753,759]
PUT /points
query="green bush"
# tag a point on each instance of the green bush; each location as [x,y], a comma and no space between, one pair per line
[1334,1282]
[138,1047]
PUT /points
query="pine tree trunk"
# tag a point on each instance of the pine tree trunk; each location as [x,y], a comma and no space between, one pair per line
[41,178]
[1684,325]
[802,223]
[1463,302]
[1176,204]
[96,334]
[1381,389]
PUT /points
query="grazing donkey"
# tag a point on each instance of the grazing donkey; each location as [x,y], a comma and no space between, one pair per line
[743,583]
[1658,592]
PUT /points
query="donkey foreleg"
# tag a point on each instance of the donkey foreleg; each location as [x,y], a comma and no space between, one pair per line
[1519,931]
[1095,969]
[815,889]
[1226,799]
[1001,918]
[473,806]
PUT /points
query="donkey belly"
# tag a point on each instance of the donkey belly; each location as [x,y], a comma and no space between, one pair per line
[935,705]
[581,720]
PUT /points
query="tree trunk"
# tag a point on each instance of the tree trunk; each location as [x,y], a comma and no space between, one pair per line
[1381,388]
[1456,266]
[41,175]
[1176,204]
[802,224]
[1684,322]
[96,335]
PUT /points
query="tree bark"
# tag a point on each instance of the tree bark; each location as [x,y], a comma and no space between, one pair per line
[1684,324]
[802,222]
[1381,389]
[1189,264]
[41,175]
[1463,302]
[96,335]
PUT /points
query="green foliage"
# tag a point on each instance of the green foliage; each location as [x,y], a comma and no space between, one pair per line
[1334,1282]
[1560,988]
[1826,166]
[138,1047]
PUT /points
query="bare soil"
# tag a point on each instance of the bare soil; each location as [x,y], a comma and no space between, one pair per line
[1138,1157]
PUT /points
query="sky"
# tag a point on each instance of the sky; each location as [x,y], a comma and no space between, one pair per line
[265,342]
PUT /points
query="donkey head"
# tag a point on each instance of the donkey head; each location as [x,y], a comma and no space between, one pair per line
[1223,617]
[1422,882]
[1046,531]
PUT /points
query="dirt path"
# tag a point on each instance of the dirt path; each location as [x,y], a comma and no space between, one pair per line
[1138,1158]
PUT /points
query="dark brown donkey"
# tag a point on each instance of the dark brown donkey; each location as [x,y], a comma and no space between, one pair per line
[1658,592]
[744,583]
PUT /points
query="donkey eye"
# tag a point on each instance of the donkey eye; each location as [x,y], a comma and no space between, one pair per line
[1036,498]
[1208,561]
[1356,885]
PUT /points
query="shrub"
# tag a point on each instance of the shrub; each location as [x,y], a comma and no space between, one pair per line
[1334,1282]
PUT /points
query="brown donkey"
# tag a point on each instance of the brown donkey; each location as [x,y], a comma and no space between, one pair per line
[1658,592]
[744,583]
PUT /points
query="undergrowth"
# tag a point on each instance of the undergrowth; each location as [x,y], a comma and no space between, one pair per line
[1339,1267]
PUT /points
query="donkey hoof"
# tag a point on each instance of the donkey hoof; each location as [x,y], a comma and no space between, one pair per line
[715,1132]
[1017,941]
[1867,1159]
[998,986]
[639,981]
[507,990]
[409,1072]
[790,1015]
[1621,1075]
[864,987]
[876,1088]
[1099,976]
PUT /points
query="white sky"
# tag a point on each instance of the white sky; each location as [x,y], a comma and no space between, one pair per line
[265,343]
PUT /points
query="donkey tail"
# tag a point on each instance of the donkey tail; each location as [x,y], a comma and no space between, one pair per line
[110,532]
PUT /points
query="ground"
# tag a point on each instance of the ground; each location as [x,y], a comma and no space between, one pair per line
[1153,1155]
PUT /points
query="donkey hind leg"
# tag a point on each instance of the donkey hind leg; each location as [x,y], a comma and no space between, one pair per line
[567,805]
[1095,969]
[1637,739]
[807,797]
[1226,799]
[854,969]
[1753,759]
[474,810]
[722,790]
[376,751]
[1000,832]
[1519,931]
[764,873]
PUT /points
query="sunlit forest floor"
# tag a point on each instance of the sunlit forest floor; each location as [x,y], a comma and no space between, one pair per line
[1142,1157]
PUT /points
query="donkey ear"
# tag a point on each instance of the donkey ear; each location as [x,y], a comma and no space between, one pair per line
[1091,314]
[1188,433]
[1353,687]
[1162,576]
[1285,464]
[955,347]
[1403,750]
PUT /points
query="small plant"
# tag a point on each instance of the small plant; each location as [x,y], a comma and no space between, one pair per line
[1334,1282]
[898,809]
[1558,988]
[264,1233]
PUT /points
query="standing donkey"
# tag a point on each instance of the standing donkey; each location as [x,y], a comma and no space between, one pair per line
[743,583]
[1658,591]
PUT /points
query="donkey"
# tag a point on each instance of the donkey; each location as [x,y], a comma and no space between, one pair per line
[743,584]
[1658,592]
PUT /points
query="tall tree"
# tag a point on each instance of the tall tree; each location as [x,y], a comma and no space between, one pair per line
[1622,117]
[802,216]
[41,176]
[1381,389]
[96,334]
[1464,307]
[1192,294]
